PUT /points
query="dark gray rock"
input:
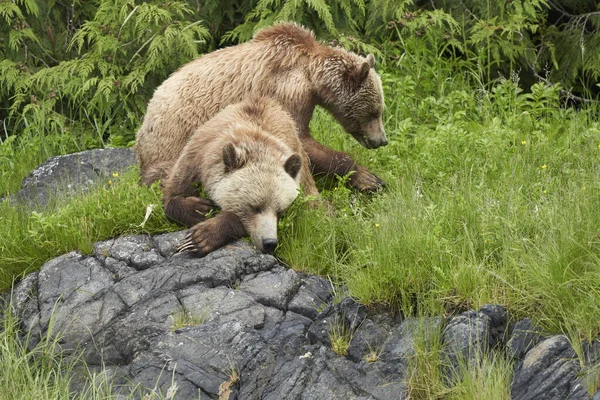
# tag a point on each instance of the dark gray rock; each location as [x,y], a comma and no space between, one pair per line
[231,322]
[21,302]
[167,242]
[272,288]
[73,283]
[549,371]
[368,341]
[345,316]
[71,173]
[524,336]
[591,352]
[137,252]
[400,346]
[223,304]
[320,329]
[352,312]
[467,337]
[312,296]
[23,292]
[498,323]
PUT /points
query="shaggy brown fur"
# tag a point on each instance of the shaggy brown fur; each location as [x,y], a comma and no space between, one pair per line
[250,162]
[284,62]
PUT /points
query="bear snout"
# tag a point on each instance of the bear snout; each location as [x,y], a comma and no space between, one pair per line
[372,134]
[268,245]
[382,142]
[371,143]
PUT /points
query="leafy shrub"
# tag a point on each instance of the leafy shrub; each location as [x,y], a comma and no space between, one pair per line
[103,76]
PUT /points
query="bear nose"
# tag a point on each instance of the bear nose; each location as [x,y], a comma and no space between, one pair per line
[383,142]
[269,245]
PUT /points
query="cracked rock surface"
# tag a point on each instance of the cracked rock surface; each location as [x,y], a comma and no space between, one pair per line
[239,320]
[160,317]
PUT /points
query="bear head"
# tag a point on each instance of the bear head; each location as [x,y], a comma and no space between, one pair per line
[351,90]
[259,183]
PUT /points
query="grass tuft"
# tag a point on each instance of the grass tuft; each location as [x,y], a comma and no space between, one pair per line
[340,336]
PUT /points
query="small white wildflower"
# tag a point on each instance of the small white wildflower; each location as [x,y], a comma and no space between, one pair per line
[172,391]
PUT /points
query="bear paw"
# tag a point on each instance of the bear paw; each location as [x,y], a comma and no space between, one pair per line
[212,234]
[364,180]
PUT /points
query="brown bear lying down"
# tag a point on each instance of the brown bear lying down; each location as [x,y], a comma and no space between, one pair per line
[250,162]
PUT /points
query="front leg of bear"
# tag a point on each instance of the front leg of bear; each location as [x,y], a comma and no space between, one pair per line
[180,200]
[329,162]
[188,211]
[213,233]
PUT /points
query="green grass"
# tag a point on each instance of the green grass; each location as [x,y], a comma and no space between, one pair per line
[430,375]
[184,318]
[498,203]
[29,238]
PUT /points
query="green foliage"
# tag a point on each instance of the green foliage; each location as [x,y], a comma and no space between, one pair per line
[100,74]
[340,336]
[554,40]
[328,16]
[489,377]
[35,373]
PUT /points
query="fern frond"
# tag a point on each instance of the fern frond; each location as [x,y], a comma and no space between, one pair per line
[9,11]
[31,6]
[9,75]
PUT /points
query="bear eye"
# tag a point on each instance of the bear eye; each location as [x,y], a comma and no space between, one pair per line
[256,209]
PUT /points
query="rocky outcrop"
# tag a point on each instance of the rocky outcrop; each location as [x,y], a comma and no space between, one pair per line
[238,322]
[234,316]
[549,370]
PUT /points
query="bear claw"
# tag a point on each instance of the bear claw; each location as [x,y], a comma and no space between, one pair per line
[212,234]
[367,182]
[187,244]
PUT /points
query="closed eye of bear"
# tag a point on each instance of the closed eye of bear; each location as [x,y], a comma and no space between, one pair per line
[286,63]
[250,162]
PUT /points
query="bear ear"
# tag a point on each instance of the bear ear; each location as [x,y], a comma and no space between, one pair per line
[292,165]
[232,158]
[364,70]
[371,60]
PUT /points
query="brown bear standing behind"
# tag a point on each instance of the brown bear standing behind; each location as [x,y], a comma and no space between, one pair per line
[286,63]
